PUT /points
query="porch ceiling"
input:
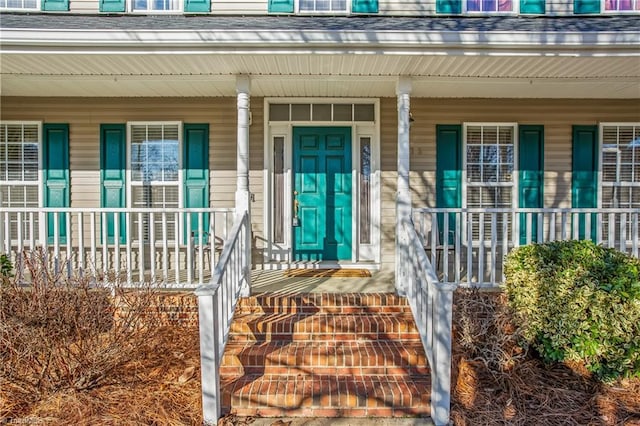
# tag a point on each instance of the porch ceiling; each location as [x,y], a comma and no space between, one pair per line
[366,75]
[65,55]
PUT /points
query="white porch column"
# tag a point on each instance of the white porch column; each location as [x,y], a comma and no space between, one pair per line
[243,196]
[403,197]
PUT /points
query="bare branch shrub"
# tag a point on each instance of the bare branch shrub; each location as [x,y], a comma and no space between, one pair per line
[62,333]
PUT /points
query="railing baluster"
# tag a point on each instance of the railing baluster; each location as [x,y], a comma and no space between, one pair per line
[176,247]
[93,240]
[141,257]
[129,247]
[152,247]
[445,248]
[612,231]
[552,226]
[576,226]
[469,247]
[435,235]
[505,238]
[81,260]
[105,244]
[5,246]
[529,228]
[200,248]
[623,232]
[20,236]
[540,237]
[458,242]
[165,250]
[587,226]
[599,228]
[116,246]
[634,234]
[494,248]
[69,256]
[189,236]
[481,260]
[56,242]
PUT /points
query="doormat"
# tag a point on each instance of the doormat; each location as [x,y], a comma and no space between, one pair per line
[327,273]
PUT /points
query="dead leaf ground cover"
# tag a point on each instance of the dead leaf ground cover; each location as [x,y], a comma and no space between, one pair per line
[495,382]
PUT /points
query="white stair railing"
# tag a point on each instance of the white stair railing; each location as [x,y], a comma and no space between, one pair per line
[467,246]
[216,305]
[432,307]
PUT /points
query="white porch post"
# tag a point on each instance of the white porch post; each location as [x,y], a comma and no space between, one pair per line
[243,196]
[403,197]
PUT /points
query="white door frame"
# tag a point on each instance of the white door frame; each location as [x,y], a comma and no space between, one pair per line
[368,254]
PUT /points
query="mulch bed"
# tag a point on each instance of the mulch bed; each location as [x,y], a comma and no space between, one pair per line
[495,382]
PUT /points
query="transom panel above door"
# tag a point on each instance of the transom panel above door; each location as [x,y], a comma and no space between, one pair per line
[322,197]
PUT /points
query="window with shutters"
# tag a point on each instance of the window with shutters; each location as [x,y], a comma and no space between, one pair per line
[156,6]
[154,155]
[621,6]
[620,175]
[20,144]
[323,5]
[491,6]
[489,165]
[19,5]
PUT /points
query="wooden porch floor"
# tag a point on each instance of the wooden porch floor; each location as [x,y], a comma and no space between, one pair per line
[275,281]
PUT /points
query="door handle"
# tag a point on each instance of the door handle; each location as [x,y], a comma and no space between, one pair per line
[295,203]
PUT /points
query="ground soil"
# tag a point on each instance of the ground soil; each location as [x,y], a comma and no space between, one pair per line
[495,382]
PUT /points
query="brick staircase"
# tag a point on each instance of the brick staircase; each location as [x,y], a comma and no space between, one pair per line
[325,355]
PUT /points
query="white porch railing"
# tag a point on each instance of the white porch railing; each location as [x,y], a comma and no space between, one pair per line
[467,246]
[216,305]
[432,307]
[127,246]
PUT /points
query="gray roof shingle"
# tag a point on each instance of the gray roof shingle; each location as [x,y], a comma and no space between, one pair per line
[70,21]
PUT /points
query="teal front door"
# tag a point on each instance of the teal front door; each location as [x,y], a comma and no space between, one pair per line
[322,193]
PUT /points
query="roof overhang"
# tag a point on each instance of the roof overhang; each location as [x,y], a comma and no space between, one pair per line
[320,62]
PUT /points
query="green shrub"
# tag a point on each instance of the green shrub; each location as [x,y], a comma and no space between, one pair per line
[577,301]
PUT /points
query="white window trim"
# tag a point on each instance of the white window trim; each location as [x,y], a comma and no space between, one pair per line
[24,9]
[42,232]
[285,129]
[129,181]
[601,127]
[515,11]
[514,195]
[347,10]
[626,12]
[178,10]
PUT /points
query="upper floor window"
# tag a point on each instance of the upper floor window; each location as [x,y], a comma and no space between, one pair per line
[490,6]
[20,4]
[323,6]
[621,5]
[155,5]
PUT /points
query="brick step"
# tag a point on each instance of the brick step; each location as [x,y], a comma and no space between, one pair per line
[324,358]
[313,303]
[326,396]
[326,327]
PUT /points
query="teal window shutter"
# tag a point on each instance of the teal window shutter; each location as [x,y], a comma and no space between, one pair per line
[448,172]
[197,6]
[449,6]
[364,6]
[586,6]
[281,6]
[55,155]
[196,172]
[584,176]
[532,6]
[55,5]
[113,157]
[530,176]
[112,5]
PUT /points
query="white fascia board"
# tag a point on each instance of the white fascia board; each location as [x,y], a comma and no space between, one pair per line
[315,41]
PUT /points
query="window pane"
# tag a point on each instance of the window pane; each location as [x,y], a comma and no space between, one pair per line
[321,112]
[365,190]
[342,112]
[339,5]
[154,153]
[278,189]
[300,112]
[279,112]
[363,112]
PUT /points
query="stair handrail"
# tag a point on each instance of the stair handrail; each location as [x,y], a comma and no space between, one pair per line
[432,306]
[216,305]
